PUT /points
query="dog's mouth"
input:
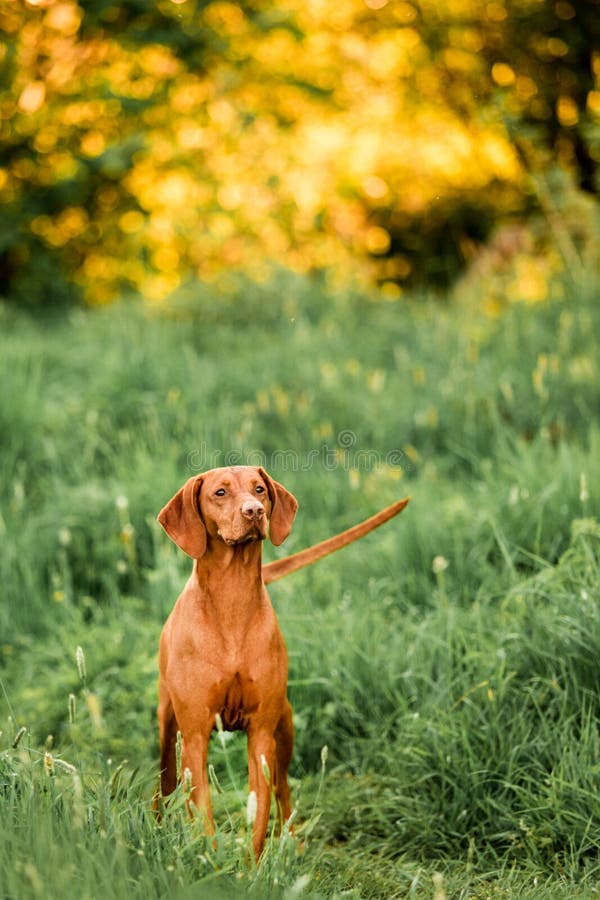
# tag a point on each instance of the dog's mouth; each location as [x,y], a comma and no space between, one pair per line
[255,534]
[234,542]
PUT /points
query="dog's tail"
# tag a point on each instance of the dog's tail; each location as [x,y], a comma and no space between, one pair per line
[274,570]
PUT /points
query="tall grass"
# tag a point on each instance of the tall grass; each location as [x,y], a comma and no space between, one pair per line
[450,661]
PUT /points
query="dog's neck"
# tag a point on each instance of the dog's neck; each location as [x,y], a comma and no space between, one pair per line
[230,588]
[227,569]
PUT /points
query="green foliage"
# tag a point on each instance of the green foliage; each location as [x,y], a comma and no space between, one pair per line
[449,662]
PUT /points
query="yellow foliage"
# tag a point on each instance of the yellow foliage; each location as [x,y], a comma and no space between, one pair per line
[32,97]
[530,282]
[567,112]
[503,74]
[378,240]
[241,163]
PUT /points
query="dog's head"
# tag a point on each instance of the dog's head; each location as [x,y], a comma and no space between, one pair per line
[235,505]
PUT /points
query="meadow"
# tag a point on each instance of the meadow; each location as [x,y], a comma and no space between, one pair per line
[449,663]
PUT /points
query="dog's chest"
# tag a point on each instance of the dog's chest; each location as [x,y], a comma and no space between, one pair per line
[240,699]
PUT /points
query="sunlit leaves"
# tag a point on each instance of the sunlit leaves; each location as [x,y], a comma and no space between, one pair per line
[145,146]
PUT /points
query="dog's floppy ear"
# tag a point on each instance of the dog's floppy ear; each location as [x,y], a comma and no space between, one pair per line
[182,521]
[283,509]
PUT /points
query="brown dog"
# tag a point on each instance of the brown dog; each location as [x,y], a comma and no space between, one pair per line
[221,650]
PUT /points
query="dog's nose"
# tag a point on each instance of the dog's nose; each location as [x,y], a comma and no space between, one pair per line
[253,509]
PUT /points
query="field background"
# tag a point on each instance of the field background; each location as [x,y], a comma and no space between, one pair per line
[358,243]
[458,698]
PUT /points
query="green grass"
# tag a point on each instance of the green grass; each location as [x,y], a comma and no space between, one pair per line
[459,706]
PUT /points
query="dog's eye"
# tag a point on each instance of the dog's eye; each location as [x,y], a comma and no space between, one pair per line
[259,489]
[220,493]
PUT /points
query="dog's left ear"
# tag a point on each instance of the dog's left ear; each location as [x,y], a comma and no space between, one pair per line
[283,509]
[182,521]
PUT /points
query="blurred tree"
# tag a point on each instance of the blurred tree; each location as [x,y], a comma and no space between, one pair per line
[146,144]
[549,57]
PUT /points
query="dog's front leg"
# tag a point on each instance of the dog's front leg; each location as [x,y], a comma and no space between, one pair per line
[261,766]
[194,766]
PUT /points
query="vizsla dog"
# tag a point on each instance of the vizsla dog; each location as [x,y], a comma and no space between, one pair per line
[221,650]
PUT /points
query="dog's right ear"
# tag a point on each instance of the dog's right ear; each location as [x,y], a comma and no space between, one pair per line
[182,521]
